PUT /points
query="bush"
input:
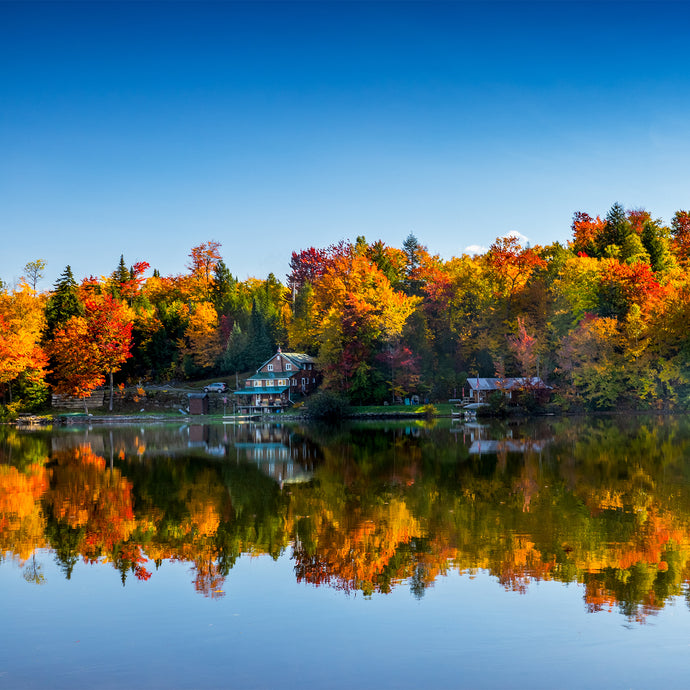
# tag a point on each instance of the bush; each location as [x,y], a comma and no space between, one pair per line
[428,410]
[327,405]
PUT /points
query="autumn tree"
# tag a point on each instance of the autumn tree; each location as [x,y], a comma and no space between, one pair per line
[87,347]
[587,232]
[202,340]
[110,326]
[591,356]
[511,265]
[203,259]
[306,266]
[22,322]
[358,312]
[524,347]
[681,233]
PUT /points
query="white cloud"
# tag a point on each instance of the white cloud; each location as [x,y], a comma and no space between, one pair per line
[475,249]
[524,241]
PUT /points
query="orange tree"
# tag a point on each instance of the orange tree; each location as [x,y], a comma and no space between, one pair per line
[87,347]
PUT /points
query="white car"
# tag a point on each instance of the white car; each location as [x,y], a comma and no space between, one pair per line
[217,387]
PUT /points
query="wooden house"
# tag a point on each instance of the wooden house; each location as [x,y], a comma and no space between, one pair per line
[278,383]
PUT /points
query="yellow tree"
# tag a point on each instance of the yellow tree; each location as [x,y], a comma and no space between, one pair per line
[202,339]
[357,311]
[22,320]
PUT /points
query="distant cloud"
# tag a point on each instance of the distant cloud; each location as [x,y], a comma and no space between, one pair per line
[475,249]
[524,241]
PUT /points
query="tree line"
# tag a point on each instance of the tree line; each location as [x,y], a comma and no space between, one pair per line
[602,319]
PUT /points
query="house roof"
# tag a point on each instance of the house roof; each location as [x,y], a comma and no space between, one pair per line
[506,383]
[271,375]
[299,359]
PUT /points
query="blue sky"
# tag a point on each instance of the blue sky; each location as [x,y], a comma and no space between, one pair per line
[144,128]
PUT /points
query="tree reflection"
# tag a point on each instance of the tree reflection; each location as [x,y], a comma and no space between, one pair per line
[604,504]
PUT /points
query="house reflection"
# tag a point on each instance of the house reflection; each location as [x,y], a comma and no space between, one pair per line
[277,451]
[483,439]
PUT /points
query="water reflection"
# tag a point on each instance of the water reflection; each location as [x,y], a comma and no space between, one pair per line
[604,503]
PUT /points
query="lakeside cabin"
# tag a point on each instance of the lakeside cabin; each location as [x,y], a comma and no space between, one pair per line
[481,388]
[278,383]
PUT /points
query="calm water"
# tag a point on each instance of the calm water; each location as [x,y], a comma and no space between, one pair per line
[541,555]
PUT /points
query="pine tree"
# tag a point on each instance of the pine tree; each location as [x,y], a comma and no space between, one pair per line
[615,230]
[413,251]
[121,274]
[222,288]
[236,353]
[260,347]
[64,303]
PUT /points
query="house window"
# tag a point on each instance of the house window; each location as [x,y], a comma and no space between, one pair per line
[294,382]
[269,367]
[304,381]
[288,366]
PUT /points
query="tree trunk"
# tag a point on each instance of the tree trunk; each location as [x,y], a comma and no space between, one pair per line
[111,390]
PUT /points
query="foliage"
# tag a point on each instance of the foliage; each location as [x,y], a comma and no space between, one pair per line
[90,346]
[327,406]
[384,322]
[22,322]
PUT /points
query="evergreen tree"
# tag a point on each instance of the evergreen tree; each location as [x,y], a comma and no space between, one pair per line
[236,353]
[121,274]
[64,302]
[615,230]
[260,347]
[656,245]
[413,251]
[223,288]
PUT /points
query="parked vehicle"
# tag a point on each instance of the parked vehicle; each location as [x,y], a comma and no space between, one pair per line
[216,387]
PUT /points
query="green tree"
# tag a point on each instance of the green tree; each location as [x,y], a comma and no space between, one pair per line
[260,346]
[655,240]
[223,287]
[64,303]
[615,231]
[236,355]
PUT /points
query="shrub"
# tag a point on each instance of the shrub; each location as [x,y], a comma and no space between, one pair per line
[327,405]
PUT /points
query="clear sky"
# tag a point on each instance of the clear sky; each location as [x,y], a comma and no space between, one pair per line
[144,128]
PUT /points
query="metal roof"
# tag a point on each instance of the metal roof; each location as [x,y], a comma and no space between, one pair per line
[262,375]
[299,357]
[494,384]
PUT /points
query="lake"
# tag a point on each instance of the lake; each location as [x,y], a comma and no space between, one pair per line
[540,554]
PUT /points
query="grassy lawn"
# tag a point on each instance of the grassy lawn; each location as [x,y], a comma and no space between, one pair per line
[442,409]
